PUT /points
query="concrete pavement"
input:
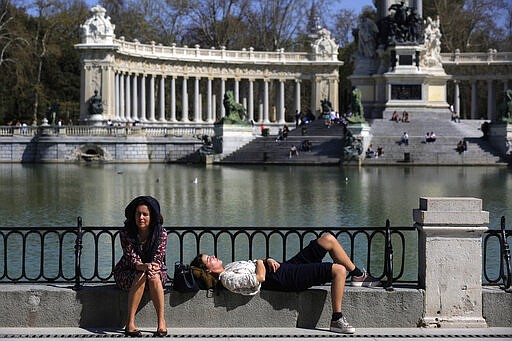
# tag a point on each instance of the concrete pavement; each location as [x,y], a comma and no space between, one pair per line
[249,334]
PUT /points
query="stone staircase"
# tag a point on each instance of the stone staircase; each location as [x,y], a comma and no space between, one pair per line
[326,150]
[387,134]
[328,145]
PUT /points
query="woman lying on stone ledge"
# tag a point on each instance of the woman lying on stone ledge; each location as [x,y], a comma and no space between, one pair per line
[302,271]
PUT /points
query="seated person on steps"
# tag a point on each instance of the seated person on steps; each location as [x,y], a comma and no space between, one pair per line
[304,270]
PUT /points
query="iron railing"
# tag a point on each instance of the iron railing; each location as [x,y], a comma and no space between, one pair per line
[79,255]
[503,273]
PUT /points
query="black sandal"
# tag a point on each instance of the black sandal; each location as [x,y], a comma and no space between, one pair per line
[132,333]
[160,333]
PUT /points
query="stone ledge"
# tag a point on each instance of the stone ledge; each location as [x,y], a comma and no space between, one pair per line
[104,306]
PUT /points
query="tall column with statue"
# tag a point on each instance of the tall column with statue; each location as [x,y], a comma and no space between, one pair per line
[399,55]
[97,75]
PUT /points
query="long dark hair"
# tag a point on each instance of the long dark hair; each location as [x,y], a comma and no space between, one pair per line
[156,228]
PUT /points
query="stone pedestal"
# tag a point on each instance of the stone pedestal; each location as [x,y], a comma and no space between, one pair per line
[500,137]
[450,260]
[361,131]
[230,137]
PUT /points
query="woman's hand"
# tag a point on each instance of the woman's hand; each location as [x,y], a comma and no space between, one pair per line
[273,265]
[153,269]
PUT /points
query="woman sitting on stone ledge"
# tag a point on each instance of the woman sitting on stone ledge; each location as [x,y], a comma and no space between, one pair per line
[301,272]
[142,265]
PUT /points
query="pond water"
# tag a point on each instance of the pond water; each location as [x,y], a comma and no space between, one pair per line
[55,194]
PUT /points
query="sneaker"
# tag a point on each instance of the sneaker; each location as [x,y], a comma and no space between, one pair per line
[342,326]
[365,280]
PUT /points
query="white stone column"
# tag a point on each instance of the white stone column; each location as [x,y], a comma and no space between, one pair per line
[151,98]
[265,102]
[117,94]
[237,90]
[250,103]
[128,101]
[161,89]
[197,113]
[450,260]
[209,109]
[143,104]
[281,109]
[135,97]
[297,95]
[222,92]
[173,99]
[184,100]
[474,100]
[122,81]
[214,106]
[456,97]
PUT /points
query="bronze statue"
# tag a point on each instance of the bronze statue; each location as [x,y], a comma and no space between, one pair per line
[95,104]
[235,112]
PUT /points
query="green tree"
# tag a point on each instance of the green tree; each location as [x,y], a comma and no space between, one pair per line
[469,25]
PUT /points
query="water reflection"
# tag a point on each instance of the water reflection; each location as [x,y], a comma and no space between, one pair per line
[54,195]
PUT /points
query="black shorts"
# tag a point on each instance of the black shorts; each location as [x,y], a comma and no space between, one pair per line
[302,271]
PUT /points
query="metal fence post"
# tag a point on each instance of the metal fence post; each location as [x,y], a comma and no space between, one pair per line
[78,254]
[388,259]
[505,253]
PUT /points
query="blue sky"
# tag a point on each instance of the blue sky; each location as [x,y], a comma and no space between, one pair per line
[355,4]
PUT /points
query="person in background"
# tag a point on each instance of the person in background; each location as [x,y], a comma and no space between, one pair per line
[142,266]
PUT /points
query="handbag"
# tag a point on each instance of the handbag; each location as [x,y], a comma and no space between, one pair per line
[184,279]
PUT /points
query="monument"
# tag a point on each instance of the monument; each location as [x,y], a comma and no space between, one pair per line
[398,62]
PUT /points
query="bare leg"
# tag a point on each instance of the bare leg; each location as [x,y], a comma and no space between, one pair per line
[338,254]
[134,297]
[156,293]
[339,274]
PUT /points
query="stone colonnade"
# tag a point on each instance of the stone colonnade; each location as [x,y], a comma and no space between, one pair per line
[143,97]
[134,79]
[479,81]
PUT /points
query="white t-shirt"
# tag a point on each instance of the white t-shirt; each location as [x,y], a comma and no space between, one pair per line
[240,277]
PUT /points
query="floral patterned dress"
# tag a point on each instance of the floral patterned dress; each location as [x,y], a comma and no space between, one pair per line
[125,272]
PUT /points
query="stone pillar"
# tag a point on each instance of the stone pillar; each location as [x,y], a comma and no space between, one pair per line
[281,109]
[474,100]
[297,95]
[456,97]
[151,100]
[117,94]
[162,100]
[265,102]
[122,81]
[450,260]
[143,104]
[197,116]
[127,98]
[209,109]
[222,92]
[250,104]
[173,99]
[184,101]
[135,99]
[237,90]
